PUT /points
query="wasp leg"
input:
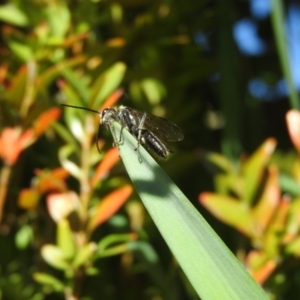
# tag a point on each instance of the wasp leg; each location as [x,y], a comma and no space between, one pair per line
[138,151]
[121,139]
[139,129]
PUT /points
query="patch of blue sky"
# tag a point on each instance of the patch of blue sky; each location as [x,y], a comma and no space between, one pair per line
[247,39]
[260,89]
[293,41]
[260,9]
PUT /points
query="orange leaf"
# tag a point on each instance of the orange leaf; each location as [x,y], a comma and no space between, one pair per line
[12,144]
[261,267]
[109,206]
[274,237]
[53,180]
[267,204]
[26,138]
[110,159]
[282,213]
[228,210]
[112,99]
[116,42]
[72,39]
[28,198]
[60,173]
[293,124]
[45,120]
[8,149]
[3,73]
[264,273]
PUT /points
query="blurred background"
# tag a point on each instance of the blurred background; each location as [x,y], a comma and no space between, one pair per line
[226,72]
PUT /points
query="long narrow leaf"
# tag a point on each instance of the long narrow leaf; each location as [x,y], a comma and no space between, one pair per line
[277,17]
[212,269]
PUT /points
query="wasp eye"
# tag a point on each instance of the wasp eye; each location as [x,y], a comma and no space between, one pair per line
[104,111]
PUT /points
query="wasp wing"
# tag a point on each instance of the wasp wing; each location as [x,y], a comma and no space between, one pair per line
[160,127]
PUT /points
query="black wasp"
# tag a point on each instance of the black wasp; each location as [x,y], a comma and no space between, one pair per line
[151,131]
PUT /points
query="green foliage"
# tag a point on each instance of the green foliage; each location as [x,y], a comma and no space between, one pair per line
[70,223]
[258,209]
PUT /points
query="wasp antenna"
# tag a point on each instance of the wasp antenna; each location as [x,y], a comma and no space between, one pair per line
[80,107]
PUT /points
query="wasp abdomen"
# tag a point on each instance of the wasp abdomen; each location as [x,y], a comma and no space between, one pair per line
[154,144]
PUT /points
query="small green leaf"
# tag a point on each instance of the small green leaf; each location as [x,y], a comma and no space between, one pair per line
[146,249]
[58,17]
[293,222]
[74,124]
[13,15]
[254,167]
[293,247]
[153,89]
[91,271]
[46,279]
[69,165]
[46,77]
[24,236]
[65,240]
[106,83]
[106,245]
[70,93]
[84,254]
[221,161]
[78,84]
[54,257]
[65,134]
[289,185]
[21,50]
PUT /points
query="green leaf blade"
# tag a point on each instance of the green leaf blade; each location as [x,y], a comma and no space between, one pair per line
[211,268]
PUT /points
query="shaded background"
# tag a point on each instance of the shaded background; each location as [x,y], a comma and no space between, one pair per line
[212,67]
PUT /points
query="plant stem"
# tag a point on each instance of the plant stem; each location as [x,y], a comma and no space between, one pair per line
[277,17]
[84,181]
[85,195]
[4,179]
